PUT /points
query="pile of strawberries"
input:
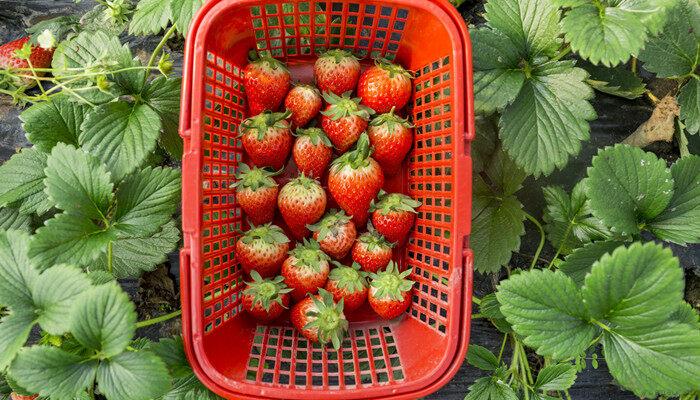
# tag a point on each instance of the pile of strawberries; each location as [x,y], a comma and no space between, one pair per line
[356,143]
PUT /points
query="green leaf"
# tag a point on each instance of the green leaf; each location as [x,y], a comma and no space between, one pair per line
[189,388]
[607,35]
[182,13]
[104,320]
[172,352]
[578,264]
[689,100]
[133,376]
[556,377]
[68,238]
[78,183]
[163,95]
[546,308]
[662,359]
[150,17]
[484,145]
[675,51]
[548,120]
[617,81]
[52,372]
[638,285]
[531,25]
[14,332]
[22,177]
[146,200]
[54,295]
[134,255]
[637,183]
[482,358]
[99,277]
[17,275]
[680,221]
[55,121]
[10,218]
[496,229]
[490,388]
[121,135]
[685,314]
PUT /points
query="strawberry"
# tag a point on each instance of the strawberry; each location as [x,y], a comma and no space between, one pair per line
[393,215]
[302,201]
[312,151]
[267,139]
[371,250]
[384,86]
[266,83]
[265,299]
[348,284]
[306,269]
[337,71]
[344,119]
[354,180]
[390,291]
[391,137]
[256,193]
[304,101]
[15,396]
[336,233]
[20,53]
[320,319]
[263,249]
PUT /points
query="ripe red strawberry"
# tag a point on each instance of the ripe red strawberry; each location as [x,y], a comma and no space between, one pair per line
[266,83]
[302,201]
[262,249]
[267,139]
[393,215]
[348,284]
[15,396]
[336,233]
[320,319]
[344,120]
[312,151]
[265,299]
[390,291]
[39,57]
[391,137]
[256,193]
[354,181]
[371,250]
[384,86]
[304,101]
[306,269]
[337,71]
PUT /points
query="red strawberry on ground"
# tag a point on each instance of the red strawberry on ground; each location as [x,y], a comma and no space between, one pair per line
[263,249]
[336,233]
[344,119]
[348,284]
[391,137]
[266,83]
[306,269]
[390,291]
[337,71]
[267,139]
[312,151]
[20,54]
[320,319]
[265,299]
[256,193]
[354,181]
[371,250]
[393,215]
[15,396]
[302,201]
[385,86]
[304,101]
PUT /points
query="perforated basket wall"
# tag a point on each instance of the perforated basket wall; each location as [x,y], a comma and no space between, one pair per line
[404,358]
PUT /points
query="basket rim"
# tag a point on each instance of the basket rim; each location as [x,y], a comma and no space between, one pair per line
[458,337]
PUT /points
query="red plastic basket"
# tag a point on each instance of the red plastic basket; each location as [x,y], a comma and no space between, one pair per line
[404,358]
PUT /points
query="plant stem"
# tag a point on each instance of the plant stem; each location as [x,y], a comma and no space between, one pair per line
[477,316]
[160,319]
[109,257]
[158,49]
[503,346]
[601,325]
[541,245]
[654,100]
[633,65]
[476,300]
[36,77]
[561,244]
[568,396]
[562,53]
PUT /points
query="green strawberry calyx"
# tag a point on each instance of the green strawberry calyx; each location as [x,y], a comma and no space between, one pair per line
[327,316]
[331,223]
[350,279]
[264,121]
[338,55]
[391,283]
[268,233]
[316,135]
[345,106]
[391,121]
[304,182]
[392,69]
[266,291]
[393,202]
[309,254]
[357,158]
[254,178]
[373,239]
[268,62]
